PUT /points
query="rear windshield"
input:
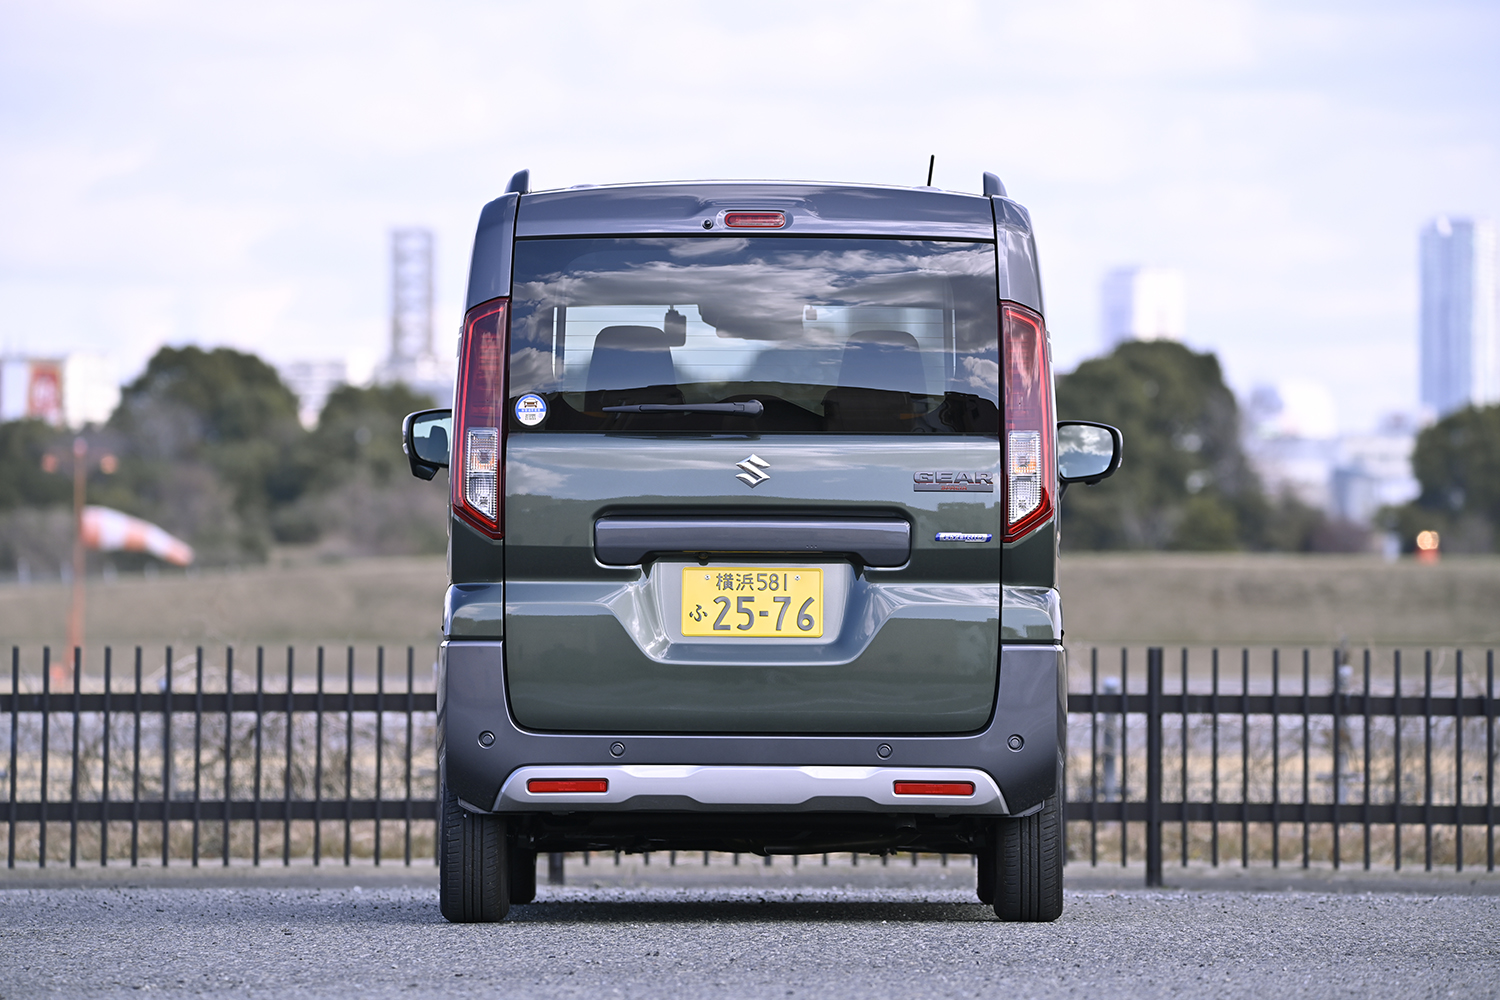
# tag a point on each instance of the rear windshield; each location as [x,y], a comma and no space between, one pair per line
[754,335]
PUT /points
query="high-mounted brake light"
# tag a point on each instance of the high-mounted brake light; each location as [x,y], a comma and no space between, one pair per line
[1030,476]
[934,788]
[556,786]
[755,220]
[477,468]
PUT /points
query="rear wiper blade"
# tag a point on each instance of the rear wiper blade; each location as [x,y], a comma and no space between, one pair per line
[750,408]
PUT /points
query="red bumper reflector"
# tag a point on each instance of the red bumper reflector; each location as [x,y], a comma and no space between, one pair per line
[541,786]
[934,788]
[754,220]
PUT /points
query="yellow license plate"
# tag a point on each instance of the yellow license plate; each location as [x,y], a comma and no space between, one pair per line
[752,602]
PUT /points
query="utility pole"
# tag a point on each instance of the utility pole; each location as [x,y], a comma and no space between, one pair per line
[75,612]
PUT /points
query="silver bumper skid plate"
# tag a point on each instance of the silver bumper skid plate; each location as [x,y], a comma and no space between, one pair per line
[676,787]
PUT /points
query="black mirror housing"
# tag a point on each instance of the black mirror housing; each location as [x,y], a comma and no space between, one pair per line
[426,438]
[1087,452]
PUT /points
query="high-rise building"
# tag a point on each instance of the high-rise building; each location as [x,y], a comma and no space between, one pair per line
[1143,303]
[412,359]
[1460,360]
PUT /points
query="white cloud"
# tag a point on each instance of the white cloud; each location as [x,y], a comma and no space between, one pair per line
[252,157]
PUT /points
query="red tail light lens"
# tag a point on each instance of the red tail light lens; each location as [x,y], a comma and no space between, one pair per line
[1030,474]
[934,788]
[754,220]
[542,786]
[477,469]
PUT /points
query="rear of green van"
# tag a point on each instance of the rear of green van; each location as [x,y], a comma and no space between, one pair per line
[753,543]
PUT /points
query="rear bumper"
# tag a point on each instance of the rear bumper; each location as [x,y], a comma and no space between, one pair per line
[688,788]
[764,773]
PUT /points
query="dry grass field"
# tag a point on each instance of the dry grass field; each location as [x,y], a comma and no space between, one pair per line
[1228,599]
[397,601]
[1116,598]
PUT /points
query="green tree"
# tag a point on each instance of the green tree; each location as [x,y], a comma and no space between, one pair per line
[24,482]
[1457,463]
[361,497]
[231,396]
[361,428]
[1185,483]
[211,448]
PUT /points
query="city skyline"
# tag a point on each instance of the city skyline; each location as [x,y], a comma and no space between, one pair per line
[228,174]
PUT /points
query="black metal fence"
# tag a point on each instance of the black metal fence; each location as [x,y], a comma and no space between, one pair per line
[1256,756]
[195,758]
[1244,756]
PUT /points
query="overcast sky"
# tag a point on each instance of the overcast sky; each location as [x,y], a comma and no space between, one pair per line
[227,173]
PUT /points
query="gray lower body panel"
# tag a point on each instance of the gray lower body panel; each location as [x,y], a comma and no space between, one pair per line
[1029,704]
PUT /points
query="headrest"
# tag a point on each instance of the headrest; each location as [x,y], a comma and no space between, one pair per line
[631,338]
[883,359]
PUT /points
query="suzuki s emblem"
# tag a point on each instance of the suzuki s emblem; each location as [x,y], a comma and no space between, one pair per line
[753,475]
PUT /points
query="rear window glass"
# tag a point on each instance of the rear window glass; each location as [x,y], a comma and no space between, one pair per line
[754,335]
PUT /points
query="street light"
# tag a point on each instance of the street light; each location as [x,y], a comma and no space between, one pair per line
[1428,545]
[107,464]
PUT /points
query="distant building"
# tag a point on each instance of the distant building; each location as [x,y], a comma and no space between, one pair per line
[313,381]
[1143,303]
[412,359]
[1374,471]
[1292,441]
[67,391]
[1460,362]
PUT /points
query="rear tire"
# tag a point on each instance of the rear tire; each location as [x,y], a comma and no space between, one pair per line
[986,886]
[1028,865]
[473,876]
[522,874]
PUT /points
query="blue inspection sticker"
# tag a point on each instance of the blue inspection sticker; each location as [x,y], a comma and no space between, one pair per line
[531,409]
[962,536]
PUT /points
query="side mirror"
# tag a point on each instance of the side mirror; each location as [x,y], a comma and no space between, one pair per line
[1087,452]
[424,437]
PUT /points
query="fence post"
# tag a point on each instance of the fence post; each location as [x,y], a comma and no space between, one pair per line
[1153,766]
[555,875]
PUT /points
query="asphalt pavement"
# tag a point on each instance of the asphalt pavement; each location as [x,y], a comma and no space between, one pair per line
[826,933]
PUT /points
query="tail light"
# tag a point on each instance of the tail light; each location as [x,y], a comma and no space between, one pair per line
[934,788]
[477,469]
[755,220]
[560,786]
[1029,471]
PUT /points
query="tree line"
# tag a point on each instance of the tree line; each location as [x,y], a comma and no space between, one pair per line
[206,443]
[1186,483]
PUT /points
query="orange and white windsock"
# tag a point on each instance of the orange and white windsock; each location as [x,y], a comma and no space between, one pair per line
[109,530]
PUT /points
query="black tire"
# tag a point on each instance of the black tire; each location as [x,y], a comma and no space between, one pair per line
[473,880]
[1028,865]
[522,874]
[986,885]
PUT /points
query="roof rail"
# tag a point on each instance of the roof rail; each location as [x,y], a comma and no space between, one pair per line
[992,186]
[520,183]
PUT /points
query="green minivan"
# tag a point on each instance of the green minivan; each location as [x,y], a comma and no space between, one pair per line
[753,543]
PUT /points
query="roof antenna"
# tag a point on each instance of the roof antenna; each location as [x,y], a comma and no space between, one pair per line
[931,162]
